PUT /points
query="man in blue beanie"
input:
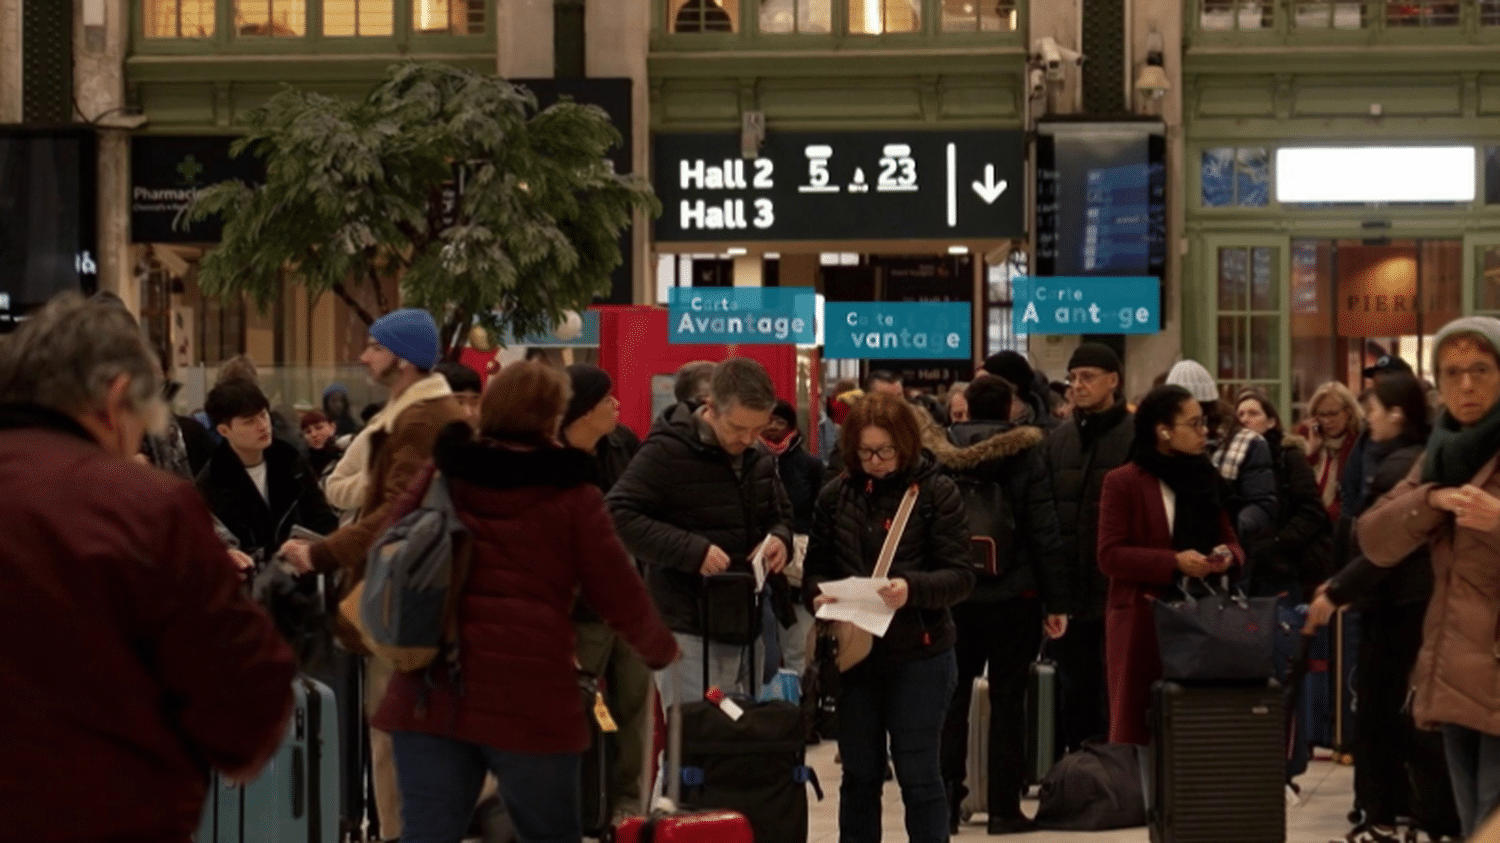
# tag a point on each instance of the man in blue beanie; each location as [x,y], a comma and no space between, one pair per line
[400,354]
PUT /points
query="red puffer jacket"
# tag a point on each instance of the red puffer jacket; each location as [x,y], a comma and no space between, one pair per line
[541,537]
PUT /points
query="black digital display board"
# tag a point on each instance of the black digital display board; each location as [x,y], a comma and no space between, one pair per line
[1101,198]
[917,185]
[48,216]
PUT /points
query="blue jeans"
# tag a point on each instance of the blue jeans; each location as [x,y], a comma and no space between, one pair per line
[1474,767]
[907,702]
[440,780]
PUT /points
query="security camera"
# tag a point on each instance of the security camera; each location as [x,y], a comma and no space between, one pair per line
[1053,57]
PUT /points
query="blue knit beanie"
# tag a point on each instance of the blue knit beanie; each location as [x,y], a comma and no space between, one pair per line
[410,334]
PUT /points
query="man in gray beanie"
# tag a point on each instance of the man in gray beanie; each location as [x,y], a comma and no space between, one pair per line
[400,354]
[1079,452]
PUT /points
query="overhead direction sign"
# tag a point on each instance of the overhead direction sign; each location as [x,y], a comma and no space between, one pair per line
[947,185]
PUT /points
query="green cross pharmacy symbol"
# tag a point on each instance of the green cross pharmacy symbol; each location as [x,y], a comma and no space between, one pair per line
[190,169]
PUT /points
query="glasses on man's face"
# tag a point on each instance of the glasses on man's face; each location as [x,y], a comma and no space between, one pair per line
[1479,373]
[1083,377]
[883,453]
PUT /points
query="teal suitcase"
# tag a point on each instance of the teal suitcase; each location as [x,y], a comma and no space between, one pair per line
[295,799]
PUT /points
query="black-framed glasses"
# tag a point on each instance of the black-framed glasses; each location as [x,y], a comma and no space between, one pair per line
[884,452]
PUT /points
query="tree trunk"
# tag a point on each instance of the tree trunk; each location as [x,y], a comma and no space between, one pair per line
[453,335]
[359,310]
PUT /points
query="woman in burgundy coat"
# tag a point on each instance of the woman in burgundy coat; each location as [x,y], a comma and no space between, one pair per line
[541,539]
[1160,516]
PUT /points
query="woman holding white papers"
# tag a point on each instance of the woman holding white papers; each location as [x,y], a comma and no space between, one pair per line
[898,695]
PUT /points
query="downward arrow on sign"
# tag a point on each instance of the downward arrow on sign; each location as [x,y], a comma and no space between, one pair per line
[989,190]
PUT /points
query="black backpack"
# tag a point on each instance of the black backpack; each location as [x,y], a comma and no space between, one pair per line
[992,525]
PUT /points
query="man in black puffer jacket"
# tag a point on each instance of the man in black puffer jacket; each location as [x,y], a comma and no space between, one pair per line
[699,499]
[1079,453]
[1001,623]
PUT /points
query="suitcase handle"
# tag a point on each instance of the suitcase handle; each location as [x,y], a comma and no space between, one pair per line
[298,777]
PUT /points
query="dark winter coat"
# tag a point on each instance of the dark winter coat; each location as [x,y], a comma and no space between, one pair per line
[682,494]
[850,524]
[1251,495]
[1011,457]
[1362,583]
[1300,553]
[1079,453]
[612,454]
[134,662]
[1135,552]
[200,443]
[801,475]
[261,526]
[541,537]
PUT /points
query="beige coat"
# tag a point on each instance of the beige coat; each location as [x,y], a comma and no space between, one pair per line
[1457,677]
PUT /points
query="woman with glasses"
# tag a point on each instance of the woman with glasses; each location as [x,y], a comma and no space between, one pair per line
[1450,502]
[897,696]
[1335,426]
[1160,517]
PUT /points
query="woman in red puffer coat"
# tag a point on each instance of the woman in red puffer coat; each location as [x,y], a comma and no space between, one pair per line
[541,539]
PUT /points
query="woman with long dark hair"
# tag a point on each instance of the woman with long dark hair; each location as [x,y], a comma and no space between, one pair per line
[1160,517]
[1398,771]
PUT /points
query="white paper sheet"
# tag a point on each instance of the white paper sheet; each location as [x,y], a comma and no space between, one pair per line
[758,565]
[859,603]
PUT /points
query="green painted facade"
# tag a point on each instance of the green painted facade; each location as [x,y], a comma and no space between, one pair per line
[1285,85]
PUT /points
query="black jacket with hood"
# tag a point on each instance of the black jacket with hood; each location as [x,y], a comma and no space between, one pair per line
[933,556]
[1362,583]
[683,493]
[1079,452]
[1011,456]
[261,526]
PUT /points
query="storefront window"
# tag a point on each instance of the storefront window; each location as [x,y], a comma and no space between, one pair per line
[1236,178]
[1249,317]
[448,17]
[1489,279]
[980,16]
[274,18]
[1322,14]
[1489,12]
[178,18]
[704,15]
[999,302]
[796,16]
[348,18]
[878,17]
[1230,15]
[1421,13]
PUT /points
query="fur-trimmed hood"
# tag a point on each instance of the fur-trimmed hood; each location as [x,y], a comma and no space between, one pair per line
[496,465]
[989,442]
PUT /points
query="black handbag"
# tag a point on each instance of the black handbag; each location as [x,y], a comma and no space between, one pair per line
[730,609]
[1221,635]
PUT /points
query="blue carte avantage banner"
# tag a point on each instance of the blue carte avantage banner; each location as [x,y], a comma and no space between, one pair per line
[1086,305]
[896,330]
[743,316]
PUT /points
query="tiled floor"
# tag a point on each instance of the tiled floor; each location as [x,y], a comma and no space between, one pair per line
[1327,795]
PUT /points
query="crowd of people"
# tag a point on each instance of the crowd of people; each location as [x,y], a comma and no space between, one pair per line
[145,663]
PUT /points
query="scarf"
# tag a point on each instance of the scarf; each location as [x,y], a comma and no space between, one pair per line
[1455,454]
[1195,482]
[1329,467]
[789,441]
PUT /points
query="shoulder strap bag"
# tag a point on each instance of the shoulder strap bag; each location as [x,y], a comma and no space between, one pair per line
[853,644]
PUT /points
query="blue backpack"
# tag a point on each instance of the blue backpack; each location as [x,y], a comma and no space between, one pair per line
[414,577]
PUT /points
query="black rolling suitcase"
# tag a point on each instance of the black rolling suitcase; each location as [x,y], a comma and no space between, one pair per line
[1217,764]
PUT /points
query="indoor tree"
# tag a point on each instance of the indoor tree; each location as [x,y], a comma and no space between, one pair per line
[358,192]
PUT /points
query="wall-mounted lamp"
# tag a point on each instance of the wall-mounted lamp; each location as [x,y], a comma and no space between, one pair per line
[1152,81]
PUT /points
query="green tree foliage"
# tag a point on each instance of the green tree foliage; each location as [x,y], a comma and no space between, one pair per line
[354,196]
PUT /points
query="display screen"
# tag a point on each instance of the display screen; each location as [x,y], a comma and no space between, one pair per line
[48,209]
[1101,199]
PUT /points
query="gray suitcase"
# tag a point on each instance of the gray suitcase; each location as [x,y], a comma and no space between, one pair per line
[977,766]
[296,797]
[1041,735]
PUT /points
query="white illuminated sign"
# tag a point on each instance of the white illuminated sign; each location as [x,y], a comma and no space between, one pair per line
[1376,174]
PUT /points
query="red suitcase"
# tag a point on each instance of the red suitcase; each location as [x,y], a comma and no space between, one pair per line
[704,827]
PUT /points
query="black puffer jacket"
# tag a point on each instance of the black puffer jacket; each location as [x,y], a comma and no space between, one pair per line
[849,528]
[1011,456]
[801,475]
[1301,551]
[682,494]
[1362,583]
[1079,453]
[261,527]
